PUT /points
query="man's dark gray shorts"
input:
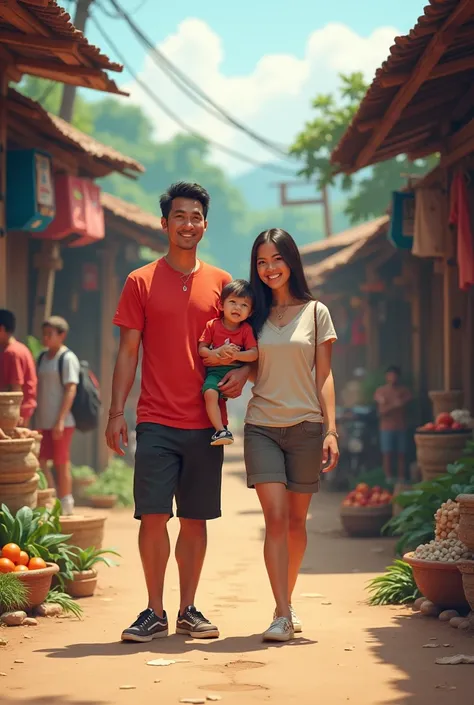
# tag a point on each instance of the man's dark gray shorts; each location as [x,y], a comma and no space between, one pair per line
[177,463]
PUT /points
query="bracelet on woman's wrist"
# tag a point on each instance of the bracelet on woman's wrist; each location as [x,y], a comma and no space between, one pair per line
[115,416]
[332,433]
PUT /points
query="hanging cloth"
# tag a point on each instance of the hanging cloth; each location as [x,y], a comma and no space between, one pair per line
[431,222]
[460,216]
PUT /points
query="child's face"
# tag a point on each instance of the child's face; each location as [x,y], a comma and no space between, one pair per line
[51,338]
[236,309]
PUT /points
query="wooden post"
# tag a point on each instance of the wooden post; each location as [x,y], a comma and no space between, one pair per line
[109,299]
[446,328]
[3,187]
[48,262]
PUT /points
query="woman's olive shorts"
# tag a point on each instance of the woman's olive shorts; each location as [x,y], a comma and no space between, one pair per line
[291,455]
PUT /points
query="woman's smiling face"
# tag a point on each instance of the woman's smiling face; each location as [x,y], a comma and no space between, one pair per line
[271,267]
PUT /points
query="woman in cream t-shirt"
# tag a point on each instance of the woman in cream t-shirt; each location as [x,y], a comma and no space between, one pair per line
[293,396]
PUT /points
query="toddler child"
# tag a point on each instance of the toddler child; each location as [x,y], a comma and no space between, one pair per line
[227,342]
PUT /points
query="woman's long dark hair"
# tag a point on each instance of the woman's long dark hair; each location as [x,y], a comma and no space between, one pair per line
[289,252]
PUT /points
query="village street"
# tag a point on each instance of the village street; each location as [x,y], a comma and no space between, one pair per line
[349,652]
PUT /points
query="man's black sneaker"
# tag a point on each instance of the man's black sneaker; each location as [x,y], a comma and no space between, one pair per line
[222,438]
[147,626]
[193,623]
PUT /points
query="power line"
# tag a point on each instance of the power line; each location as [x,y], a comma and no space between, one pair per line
[192,89]
[173,116]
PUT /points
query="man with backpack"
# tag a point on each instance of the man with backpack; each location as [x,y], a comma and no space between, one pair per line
[58,379]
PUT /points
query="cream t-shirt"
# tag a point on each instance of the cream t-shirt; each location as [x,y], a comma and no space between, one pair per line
[284,393]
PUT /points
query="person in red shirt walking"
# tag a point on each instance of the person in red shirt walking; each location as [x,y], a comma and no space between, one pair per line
[17,367]
[165,306]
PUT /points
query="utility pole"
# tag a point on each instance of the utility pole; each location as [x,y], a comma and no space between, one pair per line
[323,200]
[69,92]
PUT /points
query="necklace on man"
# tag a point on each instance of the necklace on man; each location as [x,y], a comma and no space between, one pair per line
[186,277]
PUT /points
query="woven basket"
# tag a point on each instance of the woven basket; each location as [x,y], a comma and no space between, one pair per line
[38,583]
[435,451]
[83,585]
[18,462]
[439,582]
[46,498]
[10,403]
[445,402]
[20,494]
[79,490]
[365,521]
[86,531]
[466,519]
[103,501]
[466,569]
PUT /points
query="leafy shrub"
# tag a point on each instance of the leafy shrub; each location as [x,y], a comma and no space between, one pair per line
[395,587]
[117,479]
[13,593]
[82,472]
[86,559]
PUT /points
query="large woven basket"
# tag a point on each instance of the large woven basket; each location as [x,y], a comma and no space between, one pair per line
[435,451]
[445,401]
[439,582]
[47,498]
[10,403]
[20,494]
[466,569]
[86,531]
[466,519]
[38,583]
[365,521]
[18,463]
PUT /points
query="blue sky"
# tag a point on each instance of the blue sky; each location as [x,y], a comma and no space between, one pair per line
[264,66]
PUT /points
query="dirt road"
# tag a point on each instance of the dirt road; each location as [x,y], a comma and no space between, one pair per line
[348,652]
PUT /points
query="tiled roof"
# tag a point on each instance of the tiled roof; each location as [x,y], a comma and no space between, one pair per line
[146,227]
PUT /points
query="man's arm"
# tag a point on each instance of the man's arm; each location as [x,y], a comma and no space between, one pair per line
[122,381]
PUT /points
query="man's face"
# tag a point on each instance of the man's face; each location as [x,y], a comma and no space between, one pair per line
[51,338]
[391,377]
[186,224]
[4,336]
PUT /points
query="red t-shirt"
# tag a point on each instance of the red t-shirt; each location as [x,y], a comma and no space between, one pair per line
[216,334]
[171,321]
[17,367]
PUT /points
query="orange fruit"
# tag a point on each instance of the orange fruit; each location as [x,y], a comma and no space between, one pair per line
[11,551]
[24,558]
[21,569]
[6,565]
[36,564]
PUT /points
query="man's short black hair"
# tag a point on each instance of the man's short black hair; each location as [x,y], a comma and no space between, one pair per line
[7,320]
[184,189]
[240,288]
[395,369]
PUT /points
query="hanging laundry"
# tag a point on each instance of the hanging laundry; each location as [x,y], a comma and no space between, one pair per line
[431,222]
[460,216]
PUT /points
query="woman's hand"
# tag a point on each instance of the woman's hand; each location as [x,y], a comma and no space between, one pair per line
[330,453]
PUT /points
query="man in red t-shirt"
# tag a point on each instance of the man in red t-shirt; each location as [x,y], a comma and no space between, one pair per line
[17,367]
[165,306]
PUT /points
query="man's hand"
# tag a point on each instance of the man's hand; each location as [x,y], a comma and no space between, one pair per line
[58,430]
[330,453]
[234,381]
[117,431]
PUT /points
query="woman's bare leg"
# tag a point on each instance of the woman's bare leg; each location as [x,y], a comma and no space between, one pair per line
[298,505]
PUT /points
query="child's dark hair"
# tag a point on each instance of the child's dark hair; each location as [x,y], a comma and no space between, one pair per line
[240,288]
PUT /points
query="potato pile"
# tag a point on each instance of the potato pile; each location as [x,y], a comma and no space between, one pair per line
[447,520]
[444,550]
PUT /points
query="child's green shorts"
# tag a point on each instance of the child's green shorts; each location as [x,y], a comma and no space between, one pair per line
[214,375]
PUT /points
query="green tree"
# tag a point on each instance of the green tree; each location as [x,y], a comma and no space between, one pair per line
[48,95]
[369,194]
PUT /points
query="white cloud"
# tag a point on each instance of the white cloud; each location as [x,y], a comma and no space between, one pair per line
[274,99]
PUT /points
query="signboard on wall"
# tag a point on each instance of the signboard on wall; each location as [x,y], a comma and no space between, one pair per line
[31,202]
[402,221]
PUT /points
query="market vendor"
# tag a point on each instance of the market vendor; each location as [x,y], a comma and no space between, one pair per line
[392,401]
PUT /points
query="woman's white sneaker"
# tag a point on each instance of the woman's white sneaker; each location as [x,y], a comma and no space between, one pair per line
[297,625]
[281,629]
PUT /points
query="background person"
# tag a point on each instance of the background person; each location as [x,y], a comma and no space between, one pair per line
[17,367]
[392,400]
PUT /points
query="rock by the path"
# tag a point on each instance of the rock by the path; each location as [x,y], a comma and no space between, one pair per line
[49,609]
[127,687]
[165,662]
[18,660]
[455,660]
[446,615]
[194,701]
[3,641]
[456,621]
[13,619]
[465,624]
[2,674]
[417,604]
[30,622]
[214,698]
[429,609]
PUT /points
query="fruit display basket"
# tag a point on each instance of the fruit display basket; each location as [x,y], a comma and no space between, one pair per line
[365,521]
[435,450]
[466,519]
[38,583]
[439,582]
[466,568]
[86,530]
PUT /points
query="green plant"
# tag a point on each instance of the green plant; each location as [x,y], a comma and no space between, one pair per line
[38,532]
[43,482]
[57,597]
[13,593]
[34,346]
[117,479]
[395,587]
[82,472]
[87,558]
[415,523]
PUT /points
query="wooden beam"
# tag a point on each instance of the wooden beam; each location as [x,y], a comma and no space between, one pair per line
[3,188]
[430,57]
[465,104]
[459,145]
[441,71]
[47,264]
[35,41]
[34,66]
[19,17]
[414,111]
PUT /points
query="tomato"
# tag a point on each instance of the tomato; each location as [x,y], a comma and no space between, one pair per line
[6,565]
[428,426]
[21,569]
[347,503]
[444,419]
[442,427]
[11,551]
[24,558]
[36,563]
[363,488]
[458,426]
